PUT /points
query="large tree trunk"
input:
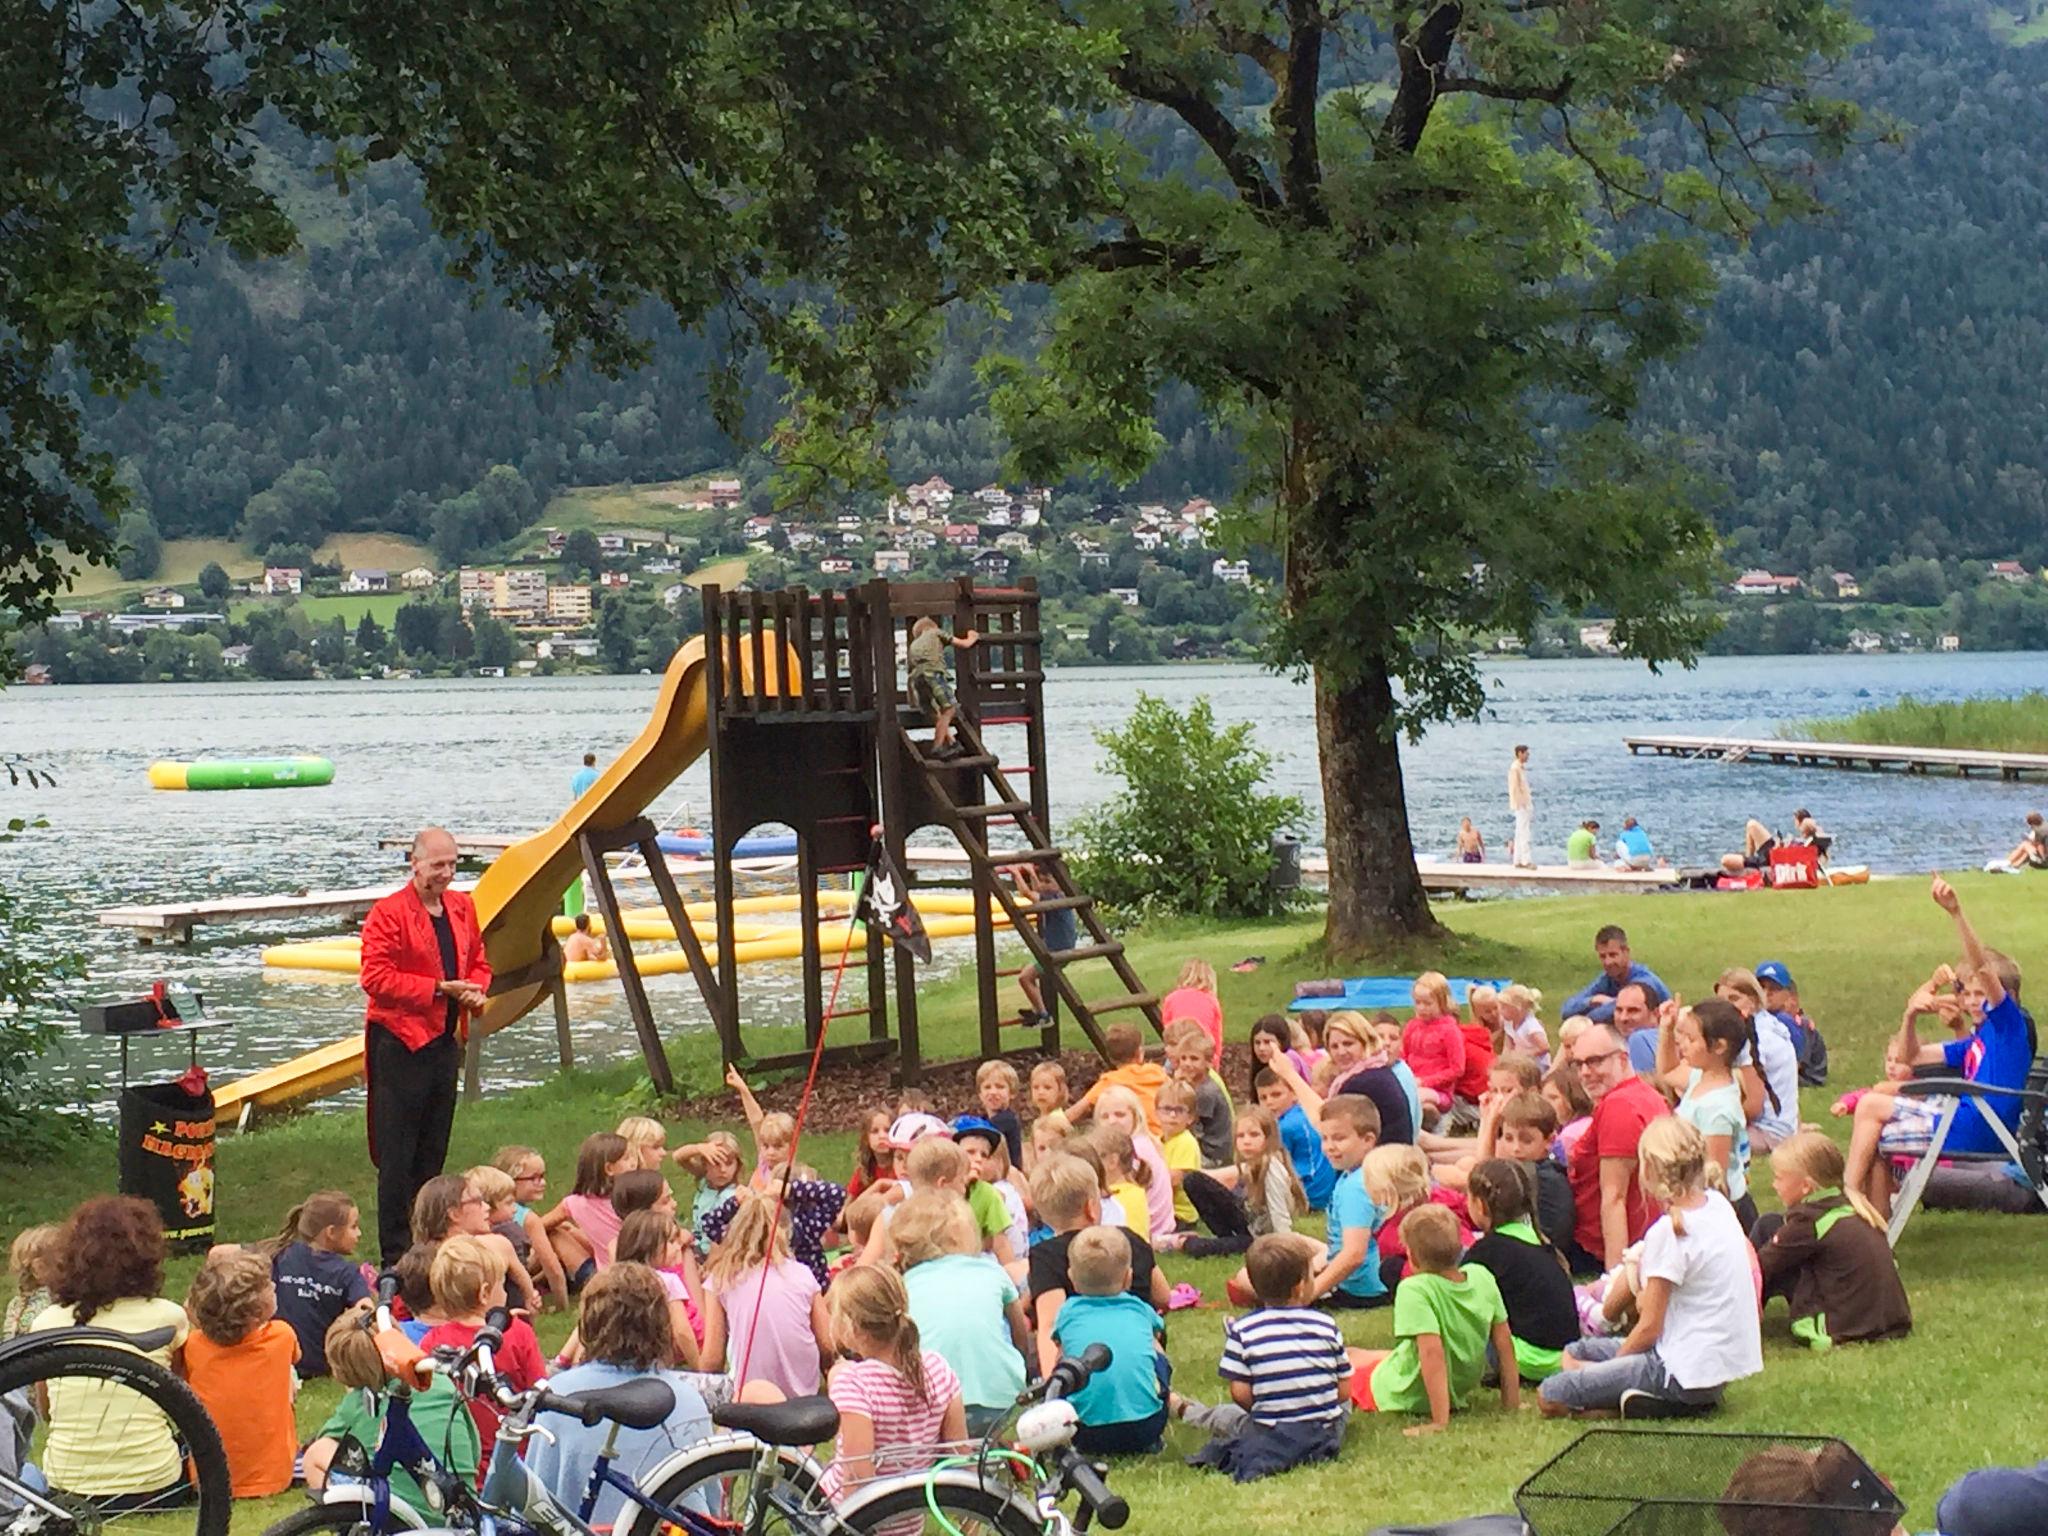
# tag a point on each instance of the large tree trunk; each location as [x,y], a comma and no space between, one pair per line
[1375,893]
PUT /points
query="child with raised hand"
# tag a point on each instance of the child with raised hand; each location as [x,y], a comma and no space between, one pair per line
[1121,1109]
[1067,1193]
[468,1280]
[810,1207]
[1349,1276]
[528,1171]
[1286,1367]
[1445,1317]
[1188,1057]
[1128,1069]
[448,1204]
[583,1225]
[1828,1255]
[110,1273]
[1262,1197]
[31,1260]
[1696,1317]
[965,1307]
[437,1411]
[1122,1408]
[312,1264]
[238,1360]
[627,1334]
[897,1400]
[774,1132]
[1535,1285]
[1433,1041]
[1697,1052]
[1294,1106]
[1397,1181]
[873,1159]
[997,1085]
[765,1313]
[720,1170]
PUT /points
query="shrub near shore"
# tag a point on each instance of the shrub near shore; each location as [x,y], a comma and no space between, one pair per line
[1963,725]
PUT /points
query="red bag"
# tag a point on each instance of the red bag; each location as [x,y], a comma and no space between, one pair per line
[1795,868]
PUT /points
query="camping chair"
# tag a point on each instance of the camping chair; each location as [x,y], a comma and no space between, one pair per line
[2029,1149]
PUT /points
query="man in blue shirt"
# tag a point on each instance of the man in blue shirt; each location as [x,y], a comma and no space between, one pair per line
[1617,969]
[585,776]
[1997,1052]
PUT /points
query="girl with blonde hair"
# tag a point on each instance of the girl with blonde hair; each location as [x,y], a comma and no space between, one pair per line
[764,1317]
[897,1400]
[1433,1042]
[1696,1317]
[1194,997]
[1520,1029]
[1258,1194]
[1828,1255]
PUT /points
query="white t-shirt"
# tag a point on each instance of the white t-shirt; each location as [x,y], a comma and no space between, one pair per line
[1020,1223]
[1711,1336]
[1780,1067]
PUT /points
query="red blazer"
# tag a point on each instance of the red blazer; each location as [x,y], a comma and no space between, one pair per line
[401,968]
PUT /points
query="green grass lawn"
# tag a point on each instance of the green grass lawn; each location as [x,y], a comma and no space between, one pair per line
[1924,1410]
[1965,725]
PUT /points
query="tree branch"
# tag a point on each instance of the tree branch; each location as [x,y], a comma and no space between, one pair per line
[1421,54]
[1294,112]
[1452,84]
[1212,125]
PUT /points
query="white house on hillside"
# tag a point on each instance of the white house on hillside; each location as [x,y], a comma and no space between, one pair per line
[367,581]
[284,580]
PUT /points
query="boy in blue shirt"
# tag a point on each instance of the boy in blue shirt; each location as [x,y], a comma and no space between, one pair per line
[1122,1408]
[1298,1135]
[1350,1272]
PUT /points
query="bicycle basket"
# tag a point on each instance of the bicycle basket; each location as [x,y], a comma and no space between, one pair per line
[1642,1482]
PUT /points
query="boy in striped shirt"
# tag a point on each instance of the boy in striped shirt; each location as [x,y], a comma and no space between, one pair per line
[1286,1367]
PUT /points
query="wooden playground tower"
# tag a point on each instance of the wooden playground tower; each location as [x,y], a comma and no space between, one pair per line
[828,752]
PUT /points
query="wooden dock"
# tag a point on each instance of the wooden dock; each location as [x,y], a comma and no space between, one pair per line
[1873,756]
[174,921]
[478,846]
[1454,875]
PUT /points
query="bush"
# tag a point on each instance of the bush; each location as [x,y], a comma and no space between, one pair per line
[33,970]
[1191,831]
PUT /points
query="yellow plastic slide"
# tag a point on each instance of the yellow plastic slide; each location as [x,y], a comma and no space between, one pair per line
[520,894]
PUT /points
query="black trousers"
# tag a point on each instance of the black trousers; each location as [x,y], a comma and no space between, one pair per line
[412,1113]
[1222,1212]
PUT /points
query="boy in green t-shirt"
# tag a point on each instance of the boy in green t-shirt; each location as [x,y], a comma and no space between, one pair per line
[930,688]
[1444,1318]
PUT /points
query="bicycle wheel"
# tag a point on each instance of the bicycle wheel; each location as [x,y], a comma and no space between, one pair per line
[344,1518]
[721,1484]
[963,1509]
[105,1396]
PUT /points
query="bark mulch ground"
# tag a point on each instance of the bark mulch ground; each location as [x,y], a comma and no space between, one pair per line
[846,1092]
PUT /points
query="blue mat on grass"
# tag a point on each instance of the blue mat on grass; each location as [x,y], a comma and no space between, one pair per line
[1369,994]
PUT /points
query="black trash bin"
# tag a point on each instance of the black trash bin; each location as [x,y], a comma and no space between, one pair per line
[1286,871]
[166,1137]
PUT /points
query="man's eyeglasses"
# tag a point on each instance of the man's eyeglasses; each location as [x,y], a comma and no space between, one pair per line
[1582,1062]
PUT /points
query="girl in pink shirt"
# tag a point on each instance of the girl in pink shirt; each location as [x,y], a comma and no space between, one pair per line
[1194,997]
[765,1319]
[896,1399]
[1433,1044]
[1121,1108]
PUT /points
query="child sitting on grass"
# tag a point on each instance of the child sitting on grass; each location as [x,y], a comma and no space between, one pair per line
[1433,1042]
[1445,1317]
[1128,1068]
[997,1086]
[468,1279]
[720,1169]
[313,1267]
[810,1207]
[873,1159]
[1067,1192]
[774,1133]
[1350,1275]
[1520,1128]
[1120,1109]
[238,1360]
[965,1307]
[765,1319]
[895,1397]
[1298,1136]
[655,1239]
[1179,1150]
[1189,1056]
[1121,1172]
[437,1411]
[1286,1367]
[646,1139]
[31,1260]
[1261,1195]
[582,1225]
[1397,1182]
[1535,1285]
[1696,1316]
[449,1204]
[528,1171]
[1520,1029]
[1122,1408]
[1828,1254]
[1569,1101]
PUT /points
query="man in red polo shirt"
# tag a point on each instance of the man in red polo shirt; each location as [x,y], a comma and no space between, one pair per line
[1612,1210]
[425,973]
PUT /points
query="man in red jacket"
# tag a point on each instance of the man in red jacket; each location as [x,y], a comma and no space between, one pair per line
[425,973]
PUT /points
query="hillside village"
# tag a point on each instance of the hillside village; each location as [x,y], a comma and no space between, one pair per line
[1124,582]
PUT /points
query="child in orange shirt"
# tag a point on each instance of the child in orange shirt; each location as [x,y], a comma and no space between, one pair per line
[1128,1069]
[239,1358]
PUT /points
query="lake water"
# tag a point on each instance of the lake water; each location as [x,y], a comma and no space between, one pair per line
[496,756]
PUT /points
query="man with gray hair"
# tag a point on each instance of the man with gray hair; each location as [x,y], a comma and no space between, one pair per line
[1607,1195]
[425,974]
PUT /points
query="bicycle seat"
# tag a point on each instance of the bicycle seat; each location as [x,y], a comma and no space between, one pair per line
[641,1404]
[800,1421]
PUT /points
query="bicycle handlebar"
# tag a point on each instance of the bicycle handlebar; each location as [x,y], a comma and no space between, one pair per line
[1112,1509]
[1070,1375]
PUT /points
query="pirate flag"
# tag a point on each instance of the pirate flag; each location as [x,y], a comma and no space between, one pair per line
[885,902]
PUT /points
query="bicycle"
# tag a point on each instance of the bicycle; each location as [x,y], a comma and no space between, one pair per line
[100,1372]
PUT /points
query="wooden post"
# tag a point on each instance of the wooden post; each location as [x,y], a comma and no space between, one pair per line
[565,1047]
[812,958]
[720,1002]
[651,1048]
[472,1068]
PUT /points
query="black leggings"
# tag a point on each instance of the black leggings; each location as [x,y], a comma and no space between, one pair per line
[1220,1210]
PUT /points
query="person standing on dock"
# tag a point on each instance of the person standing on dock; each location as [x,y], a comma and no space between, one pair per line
[1523,804]
[425,973]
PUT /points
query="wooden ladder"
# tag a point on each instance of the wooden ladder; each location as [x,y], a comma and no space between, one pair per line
[969,822]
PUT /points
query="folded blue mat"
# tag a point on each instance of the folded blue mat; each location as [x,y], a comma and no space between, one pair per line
[1369,994]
